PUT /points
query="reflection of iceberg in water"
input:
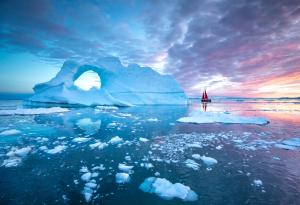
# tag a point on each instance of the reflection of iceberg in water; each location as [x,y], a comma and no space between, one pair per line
[128,121]
[90,127]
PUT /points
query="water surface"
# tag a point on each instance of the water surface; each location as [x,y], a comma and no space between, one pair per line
[245,153]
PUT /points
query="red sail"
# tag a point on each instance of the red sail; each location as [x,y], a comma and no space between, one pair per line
[205,95]
[202,95]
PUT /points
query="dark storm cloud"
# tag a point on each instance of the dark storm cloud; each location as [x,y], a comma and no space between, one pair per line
[69,29]
[241,40]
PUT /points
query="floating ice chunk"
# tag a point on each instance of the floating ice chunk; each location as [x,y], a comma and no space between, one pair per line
[91,185]
[152,120]
[122,178]
[23,152]
[34,111]
[115,140]
[143,139]
[101,167]
[219,147]
[287,147]
[86,176]
[209,161]
[43,148]
[148,165]
[10,132]
[196,156]
[257,182]
[12,162]
[81,139]
[84,169]
[89,126]
[157,174]
[221,117]
[125,168]
[192,164]
[55,150]
[128,158]
[88,193]
[195,145]
[166,190]
[98,145]
[292,144]
[102,107]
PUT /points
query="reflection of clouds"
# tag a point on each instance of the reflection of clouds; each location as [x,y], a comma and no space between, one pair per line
[89,126]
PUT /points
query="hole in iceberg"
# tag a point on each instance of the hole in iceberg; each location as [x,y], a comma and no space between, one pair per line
[88,80]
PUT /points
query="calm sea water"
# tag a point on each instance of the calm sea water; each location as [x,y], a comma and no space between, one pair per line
[245,153]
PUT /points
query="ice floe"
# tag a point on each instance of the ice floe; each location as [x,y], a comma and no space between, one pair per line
[289,144]
[10,132]
[167,190]
[86,176]
[192,164]
[12,162]
[143,139]
[209,161]
[122,178]
[55,150]
[152,120]
[99,145]
[34,111]
[81,139]
[90,184]
[199,117]
[115,140]
[257,182]
[125,168]
[196,156]
[22,152]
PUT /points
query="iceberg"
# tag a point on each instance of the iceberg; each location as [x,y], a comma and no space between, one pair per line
[221,117]
[118,85]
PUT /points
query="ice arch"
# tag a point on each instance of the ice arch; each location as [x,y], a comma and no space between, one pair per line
[87,80]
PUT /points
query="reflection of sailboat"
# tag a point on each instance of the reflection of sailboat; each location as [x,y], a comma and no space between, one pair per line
[204,106]
[205,97]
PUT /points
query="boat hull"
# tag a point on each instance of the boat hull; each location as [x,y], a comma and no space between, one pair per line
[206,100]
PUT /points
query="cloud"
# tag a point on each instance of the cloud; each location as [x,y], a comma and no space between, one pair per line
[217,43]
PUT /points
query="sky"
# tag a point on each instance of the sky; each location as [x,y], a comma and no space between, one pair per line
[232,47]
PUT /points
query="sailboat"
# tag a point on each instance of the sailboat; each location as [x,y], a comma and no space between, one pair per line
[205,97]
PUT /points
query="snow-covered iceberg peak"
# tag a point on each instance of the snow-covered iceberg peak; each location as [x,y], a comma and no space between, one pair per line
[120,85]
